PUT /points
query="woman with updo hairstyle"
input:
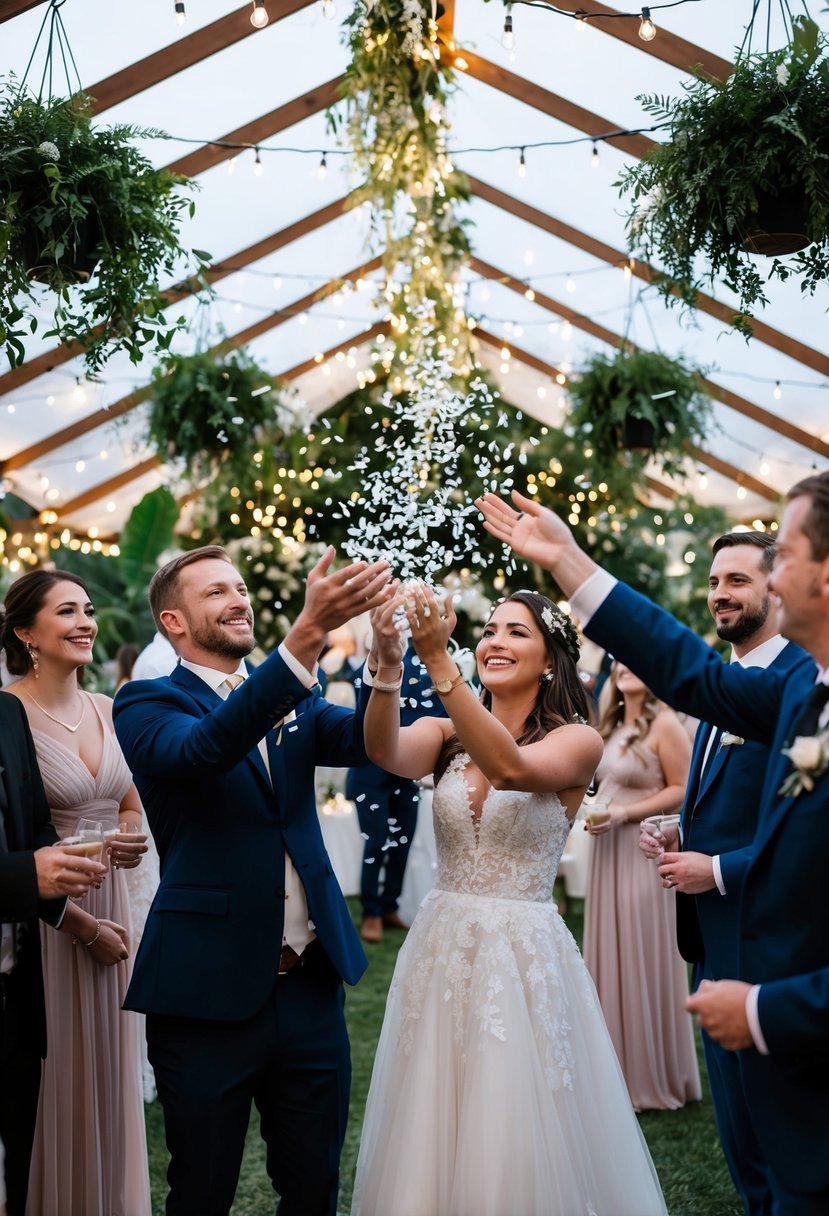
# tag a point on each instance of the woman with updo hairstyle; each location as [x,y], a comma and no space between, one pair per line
[495,1086]
[90,1153]
[629,925]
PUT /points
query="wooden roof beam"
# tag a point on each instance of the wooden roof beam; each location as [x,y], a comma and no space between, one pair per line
[741,405]
[553,105]
[50,359]
[123,406]
[95,493]
[696,453]
[787,345]
[184,53]
[668,47]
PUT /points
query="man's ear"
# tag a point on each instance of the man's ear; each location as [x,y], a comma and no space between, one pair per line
[174,623]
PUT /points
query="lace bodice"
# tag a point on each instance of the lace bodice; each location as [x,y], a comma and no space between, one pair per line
[511,852]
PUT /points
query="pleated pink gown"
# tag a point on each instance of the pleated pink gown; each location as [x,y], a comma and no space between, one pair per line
[630,945]
[90,1152]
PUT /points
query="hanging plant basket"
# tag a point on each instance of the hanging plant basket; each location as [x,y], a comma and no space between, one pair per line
[84,215]
[745,172]
[212,410]
[634,406]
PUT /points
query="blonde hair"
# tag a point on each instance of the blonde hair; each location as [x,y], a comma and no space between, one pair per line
[612,715]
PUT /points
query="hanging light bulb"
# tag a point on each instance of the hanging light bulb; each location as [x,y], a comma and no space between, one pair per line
[508,37]
[778,392]
[79,392]
[329,10]
[647,29]
[322,168]
[259,17]
[522,164]
[179,10]
[231,166]
[594,158]
[258,167]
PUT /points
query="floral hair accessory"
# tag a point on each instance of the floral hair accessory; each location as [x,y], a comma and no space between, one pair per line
[559,625]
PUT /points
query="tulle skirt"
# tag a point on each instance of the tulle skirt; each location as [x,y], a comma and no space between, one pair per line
[496,1090]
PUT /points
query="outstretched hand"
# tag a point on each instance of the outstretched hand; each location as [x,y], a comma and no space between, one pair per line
[334,597]
[537,533]
[388,645]
[431,623]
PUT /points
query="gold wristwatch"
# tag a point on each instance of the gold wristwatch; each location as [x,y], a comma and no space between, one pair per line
[445,686]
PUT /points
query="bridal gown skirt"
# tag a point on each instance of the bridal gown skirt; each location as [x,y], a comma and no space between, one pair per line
[496,1090]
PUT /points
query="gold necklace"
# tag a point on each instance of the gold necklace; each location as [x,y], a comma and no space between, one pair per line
[52,717]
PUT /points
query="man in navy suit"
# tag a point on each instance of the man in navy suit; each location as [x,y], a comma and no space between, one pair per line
[776,1012]
[248,940]
[719,819]
[35,880]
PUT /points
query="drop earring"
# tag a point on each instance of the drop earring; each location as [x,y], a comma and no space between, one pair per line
[546,677]
[31,651]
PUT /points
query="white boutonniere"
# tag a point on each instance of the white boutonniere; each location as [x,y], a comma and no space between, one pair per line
[466,661]
[728,740]
[810,756]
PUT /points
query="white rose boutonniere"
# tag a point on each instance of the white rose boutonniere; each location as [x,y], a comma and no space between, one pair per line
[810,756]
[728,740]
[466,661]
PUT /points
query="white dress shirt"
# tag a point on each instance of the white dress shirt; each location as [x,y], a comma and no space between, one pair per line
[297,931]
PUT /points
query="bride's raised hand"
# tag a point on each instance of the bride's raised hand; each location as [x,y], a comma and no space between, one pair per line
[431,624]
[387,642]
[533,531]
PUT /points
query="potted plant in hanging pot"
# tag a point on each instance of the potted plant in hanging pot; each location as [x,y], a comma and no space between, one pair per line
[84,215]
[215,410]
[635,406]
[745,172]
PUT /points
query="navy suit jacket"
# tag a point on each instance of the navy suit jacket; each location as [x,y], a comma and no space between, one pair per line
[211,945]
[25,825]
[719,816]
[783,917]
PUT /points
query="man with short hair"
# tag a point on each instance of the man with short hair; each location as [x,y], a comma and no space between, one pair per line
[776,1013]
[35,879]
[719,819]
[248,940]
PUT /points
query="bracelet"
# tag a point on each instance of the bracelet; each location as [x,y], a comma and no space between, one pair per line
[76,941]
[387,685]
[445,692]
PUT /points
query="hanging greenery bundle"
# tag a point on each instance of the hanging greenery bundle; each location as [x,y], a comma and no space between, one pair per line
[744,172]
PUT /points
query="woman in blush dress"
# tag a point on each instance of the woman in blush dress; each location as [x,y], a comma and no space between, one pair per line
[630,927]
[90,1153]
[495,1088]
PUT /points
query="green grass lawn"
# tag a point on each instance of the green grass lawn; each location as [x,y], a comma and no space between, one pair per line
[683,1143]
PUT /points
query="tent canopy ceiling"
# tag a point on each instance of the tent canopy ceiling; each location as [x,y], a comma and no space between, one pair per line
[280,243]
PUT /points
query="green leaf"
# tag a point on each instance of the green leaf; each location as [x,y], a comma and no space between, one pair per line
[147,533]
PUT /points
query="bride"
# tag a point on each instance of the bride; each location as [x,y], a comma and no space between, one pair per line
[495,1090]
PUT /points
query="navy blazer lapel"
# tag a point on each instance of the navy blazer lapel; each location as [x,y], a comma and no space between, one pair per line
[204,695]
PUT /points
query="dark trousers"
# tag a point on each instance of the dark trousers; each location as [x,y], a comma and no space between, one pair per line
[741,1149]
[19,1086]
[292,1060]
[388,818]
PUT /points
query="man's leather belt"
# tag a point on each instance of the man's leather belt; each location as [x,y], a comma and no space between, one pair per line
[288,960]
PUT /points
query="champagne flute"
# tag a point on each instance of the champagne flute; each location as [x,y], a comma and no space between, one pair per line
[87,840]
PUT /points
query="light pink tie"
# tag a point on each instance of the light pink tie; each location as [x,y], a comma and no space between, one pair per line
[233,682]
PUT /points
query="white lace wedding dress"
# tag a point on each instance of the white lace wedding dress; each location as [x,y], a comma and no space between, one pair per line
[496,1090]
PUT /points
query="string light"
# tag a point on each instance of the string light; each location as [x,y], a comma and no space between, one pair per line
[231,166]
[570,284]
[179,10]
[79,392]
[778,392]
[322,169]
[508,36]
[522,164]
[329,10]
[594,158]
[258,167]
[647,29]
[259,17]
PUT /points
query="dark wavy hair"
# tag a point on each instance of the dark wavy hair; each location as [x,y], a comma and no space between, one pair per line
[560,700]
[23,601]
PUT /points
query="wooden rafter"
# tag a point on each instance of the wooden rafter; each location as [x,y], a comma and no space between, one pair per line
[260,129]
[184,53]
[50,359]
[13,8]
[668,47]
[123,406]
[539,365]
[805,438]
[713,462]
[787,345]
[96,493]
[553,104]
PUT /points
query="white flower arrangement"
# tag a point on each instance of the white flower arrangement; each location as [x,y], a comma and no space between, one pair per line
[728,740]
[810,756]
